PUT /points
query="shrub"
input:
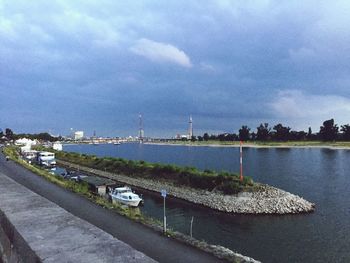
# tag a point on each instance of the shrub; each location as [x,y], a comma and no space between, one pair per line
[230,188]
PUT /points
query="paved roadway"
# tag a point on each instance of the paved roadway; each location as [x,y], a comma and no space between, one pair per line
[151,243]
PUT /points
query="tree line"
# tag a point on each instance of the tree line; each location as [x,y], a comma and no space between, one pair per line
[329,131]
[9,135]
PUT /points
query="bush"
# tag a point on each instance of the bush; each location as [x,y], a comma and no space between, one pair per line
[230,188]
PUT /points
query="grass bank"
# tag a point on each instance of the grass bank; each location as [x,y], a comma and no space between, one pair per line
[133,214]
[228,183]
[79,188]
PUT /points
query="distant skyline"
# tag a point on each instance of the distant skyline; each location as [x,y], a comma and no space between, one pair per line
[96,65]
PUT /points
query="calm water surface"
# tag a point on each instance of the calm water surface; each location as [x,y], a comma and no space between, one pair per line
[321,176]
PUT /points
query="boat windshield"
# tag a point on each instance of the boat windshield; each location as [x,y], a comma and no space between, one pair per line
[122,190]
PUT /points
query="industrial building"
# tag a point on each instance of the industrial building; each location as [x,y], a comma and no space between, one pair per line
[78,135]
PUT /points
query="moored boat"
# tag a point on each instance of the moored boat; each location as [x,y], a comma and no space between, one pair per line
[125,196]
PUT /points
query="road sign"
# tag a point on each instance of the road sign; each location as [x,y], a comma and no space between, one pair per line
[163,192]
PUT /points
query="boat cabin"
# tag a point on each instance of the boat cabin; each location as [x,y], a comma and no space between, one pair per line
[46,159]
[98,185]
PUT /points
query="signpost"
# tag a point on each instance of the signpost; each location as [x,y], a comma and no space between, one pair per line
[163,193]
[191,226]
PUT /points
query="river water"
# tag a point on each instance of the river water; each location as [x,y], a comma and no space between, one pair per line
[321,176]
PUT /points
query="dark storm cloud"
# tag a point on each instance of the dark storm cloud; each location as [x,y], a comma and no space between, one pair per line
[94,65]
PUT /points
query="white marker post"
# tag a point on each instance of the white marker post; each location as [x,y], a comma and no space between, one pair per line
[191,226]
[163,193]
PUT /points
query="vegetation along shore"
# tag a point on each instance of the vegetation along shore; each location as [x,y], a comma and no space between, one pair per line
[329,132]
[337,145]
[221,191]
[83,189]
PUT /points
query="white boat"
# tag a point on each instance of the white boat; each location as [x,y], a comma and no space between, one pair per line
[125,196]
[116,143]
[46,159]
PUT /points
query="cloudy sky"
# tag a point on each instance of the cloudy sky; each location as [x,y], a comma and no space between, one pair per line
[96,64]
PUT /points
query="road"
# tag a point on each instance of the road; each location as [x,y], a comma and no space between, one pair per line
[140,237]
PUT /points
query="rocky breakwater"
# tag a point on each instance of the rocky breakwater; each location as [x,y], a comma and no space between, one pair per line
[264,199]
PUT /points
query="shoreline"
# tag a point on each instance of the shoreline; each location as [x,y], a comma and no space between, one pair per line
[217,251]
[252,145]
[268,200]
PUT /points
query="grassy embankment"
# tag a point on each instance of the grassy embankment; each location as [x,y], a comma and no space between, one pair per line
[333,144]
[79,188]
[134,214]
[225,182]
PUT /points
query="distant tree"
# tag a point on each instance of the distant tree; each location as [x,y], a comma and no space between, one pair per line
[213,137]
[222,137]
[253,136]
[297,135]
[1,135]
[244,133]
[227,137]
[312,136]
[309,134]
[345,132]
[9,134]
[44,136]
[206,136]
[282,133]
[263,132]
[193,138]
[200,138]
[233,137]
[329,130]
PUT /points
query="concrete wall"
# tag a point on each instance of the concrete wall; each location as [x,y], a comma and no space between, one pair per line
[13,248]
[30,223]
